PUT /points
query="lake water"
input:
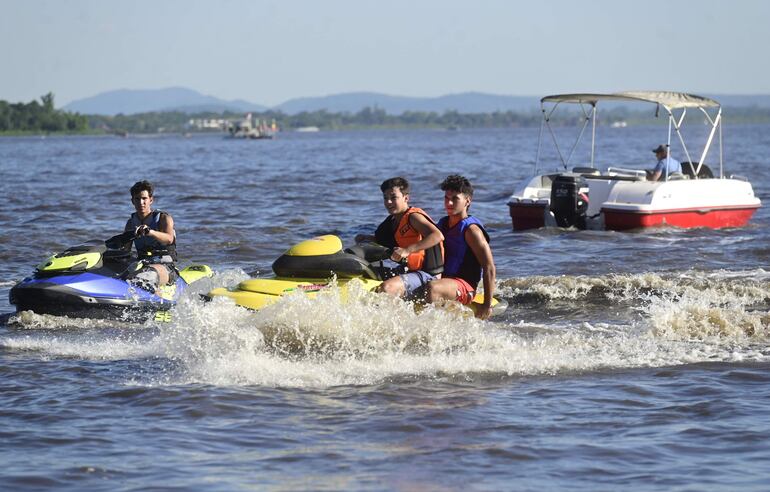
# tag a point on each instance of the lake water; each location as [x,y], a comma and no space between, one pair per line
[635,359]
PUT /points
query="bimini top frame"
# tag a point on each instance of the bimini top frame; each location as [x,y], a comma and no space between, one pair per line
[669,101]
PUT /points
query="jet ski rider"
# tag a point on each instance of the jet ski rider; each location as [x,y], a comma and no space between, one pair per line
[415,239]
[467,251]
[154,238]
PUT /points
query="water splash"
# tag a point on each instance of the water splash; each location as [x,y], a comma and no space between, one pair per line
[355,337]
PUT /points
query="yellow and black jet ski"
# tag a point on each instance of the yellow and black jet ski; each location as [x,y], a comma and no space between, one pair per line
[313,265]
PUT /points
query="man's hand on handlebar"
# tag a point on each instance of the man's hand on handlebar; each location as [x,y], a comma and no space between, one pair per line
[399,255]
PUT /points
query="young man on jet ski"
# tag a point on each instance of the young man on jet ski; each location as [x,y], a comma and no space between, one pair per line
[466,250]
[155,240]
[414,238]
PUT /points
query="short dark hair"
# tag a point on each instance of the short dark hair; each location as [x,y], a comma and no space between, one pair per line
[460,184]
[141,186]
[397,182]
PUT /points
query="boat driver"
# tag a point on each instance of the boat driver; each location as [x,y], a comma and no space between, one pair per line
[666,166]
[415,239]
[155,240]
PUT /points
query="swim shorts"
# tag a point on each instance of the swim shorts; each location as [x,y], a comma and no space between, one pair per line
[465,292]
[415,283]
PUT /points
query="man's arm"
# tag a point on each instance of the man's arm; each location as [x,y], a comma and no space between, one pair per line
[431,236]
[165,234]
[657,172]
[480,247]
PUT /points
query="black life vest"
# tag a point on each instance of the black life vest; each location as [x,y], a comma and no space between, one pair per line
[147,247]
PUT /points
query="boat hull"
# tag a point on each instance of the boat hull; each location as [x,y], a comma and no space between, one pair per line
[527,215]
[621,220]
[621,204]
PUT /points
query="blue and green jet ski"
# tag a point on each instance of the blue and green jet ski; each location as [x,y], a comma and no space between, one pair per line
[91,281]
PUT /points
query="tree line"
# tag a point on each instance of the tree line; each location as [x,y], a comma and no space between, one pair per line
[39,117]
[173,121]
[378,118]
[42,117]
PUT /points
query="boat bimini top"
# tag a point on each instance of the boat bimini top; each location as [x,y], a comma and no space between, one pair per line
[675,104]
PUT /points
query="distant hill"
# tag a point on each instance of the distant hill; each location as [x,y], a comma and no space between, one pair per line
[186,100]
[127,101]
[468,102]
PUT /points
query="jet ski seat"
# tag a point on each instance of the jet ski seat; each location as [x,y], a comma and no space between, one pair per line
[341,264]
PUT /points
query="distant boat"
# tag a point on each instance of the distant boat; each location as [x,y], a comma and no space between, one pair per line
[308,129]
[248,129]
[618,124]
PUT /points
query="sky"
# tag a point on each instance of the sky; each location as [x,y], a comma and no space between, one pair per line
[268,52]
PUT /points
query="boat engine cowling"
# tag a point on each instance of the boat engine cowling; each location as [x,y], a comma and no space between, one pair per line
[569,200]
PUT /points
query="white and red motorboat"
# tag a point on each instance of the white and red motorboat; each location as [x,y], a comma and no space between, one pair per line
[620,198]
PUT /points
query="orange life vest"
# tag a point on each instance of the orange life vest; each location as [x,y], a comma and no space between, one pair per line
[406,235]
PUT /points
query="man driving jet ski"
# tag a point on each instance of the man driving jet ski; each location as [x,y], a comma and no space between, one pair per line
[153,234]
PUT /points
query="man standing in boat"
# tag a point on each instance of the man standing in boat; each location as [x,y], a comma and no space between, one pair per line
[666,166]
[415,239]
[155,240]
[467,255]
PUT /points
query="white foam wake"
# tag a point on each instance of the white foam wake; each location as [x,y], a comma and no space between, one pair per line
[365,338]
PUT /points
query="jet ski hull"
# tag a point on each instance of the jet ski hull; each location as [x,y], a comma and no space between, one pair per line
[91,295]
[258,293]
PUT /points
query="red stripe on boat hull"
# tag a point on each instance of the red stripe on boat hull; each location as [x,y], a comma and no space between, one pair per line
[526,216]
[619,220]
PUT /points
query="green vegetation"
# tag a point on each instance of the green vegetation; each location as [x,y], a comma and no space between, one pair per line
[366,118]
[376,118]
[36,118]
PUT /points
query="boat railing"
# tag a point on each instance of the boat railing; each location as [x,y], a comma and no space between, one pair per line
[625,172]
[586,171]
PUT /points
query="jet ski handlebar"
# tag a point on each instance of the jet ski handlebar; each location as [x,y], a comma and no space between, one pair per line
[371,252]
[119,241]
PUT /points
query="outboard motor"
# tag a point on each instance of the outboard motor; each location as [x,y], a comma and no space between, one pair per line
[568,203]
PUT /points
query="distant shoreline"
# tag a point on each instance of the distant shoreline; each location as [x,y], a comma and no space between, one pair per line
[175,122]
[350,128]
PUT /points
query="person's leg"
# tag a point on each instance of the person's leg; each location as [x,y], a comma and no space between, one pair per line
[450,289]
[146,278]
[163,276]
[416,285]
[410,286]
[393,286]
[444,289]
